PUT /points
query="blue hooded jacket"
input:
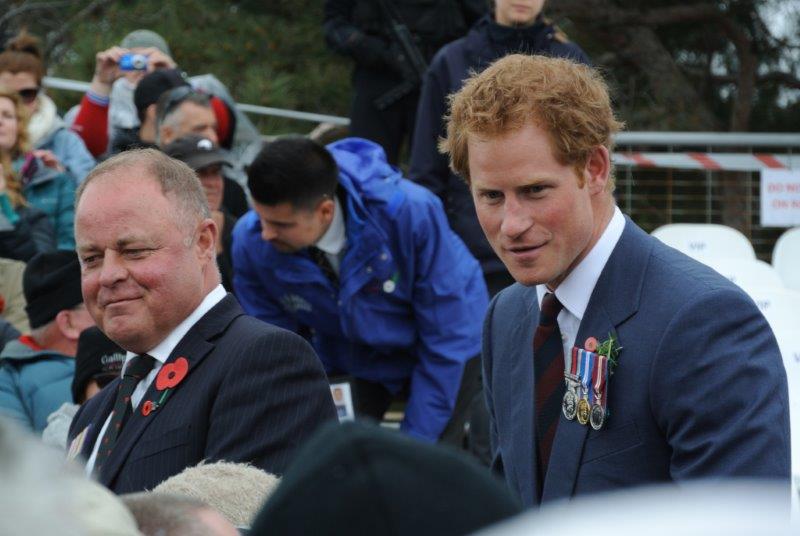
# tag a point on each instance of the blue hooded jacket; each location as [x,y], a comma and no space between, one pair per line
[33,383]
[411,298]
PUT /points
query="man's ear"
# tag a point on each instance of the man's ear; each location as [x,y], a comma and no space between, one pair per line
[326,209]
[165,135]
[597,169]
[207,236]
[65,326]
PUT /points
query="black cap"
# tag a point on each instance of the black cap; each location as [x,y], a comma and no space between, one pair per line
[154,84]
[196,151]
[51,283]
[361,479]
[97,358]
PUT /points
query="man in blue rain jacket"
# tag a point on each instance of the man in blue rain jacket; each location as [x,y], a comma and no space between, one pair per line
[341,247]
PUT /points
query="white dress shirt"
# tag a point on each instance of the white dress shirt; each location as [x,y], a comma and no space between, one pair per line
[576,289]
[160,353]
[333,242]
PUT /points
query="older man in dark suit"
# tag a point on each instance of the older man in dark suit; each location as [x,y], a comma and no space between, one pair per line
[202,381]
[698,387]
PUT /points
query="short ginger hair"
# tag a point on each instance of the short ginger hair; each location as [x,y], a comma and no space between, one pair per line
[570,101]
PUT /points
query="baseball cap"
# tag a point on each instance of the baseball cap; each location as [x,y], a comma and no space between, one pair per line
[196,151]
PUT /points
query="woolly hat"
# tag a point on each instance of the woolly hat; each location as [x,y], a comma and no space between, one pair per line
[360,479]
[144,39]
[97,358]
[155,84]
[51,283]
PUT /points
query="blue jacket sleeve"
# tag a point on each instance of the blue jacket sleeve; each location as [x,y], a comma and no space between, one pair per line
[73,154]
[719,391]
[450,301]
[65,236]
[11,404]
[251,291]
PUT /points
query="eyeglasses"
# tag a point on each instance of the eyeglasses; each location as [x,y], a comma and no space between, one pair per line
[29,94]
[177,95]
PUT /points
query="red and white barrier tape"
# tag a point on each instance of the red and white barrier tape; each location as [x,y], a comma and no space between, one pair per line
[709,161]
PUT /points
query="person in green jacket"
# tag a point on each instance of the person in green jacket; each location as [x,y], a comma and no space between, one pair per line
[36,369]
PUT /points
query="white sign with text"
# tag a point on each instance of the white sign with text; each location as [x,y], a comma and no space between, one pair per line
[780,198]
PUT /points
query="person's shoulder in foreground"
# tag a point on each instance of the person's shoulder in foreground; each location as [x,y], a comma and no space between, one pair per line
[227,385]
[697,386]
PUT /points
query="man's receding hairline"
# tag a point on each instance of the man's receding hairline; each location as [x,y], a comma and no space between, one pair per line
[182,208]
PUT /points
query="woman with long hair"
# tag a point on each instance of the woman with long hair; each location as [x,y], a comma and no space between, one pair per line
[22,70]
[30,192]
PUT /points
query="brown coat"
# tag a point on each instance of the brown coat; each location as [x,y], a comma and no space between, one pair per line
[11,291]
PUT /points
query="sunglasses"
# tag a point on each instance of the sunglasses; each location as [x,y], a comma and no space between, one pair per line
[177,95]
[28,95]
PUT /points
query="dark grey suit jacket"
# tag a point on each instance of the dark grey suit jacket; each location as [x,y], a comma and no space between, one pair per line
[253,393]
[700,390]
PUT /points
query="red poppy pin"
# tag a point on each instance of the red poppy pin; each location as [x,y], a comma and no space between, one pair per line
[172,374]
[168,378]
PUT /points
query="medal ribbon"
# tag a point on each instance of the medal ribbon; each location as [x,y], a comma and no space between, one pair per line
[586,371]
[601,379]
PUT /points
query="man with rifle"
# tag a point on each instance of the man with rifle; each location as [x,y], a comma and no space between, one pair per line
[392,42]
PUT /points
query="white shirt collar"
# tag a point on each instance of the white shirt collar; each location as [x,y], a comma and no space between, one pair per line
[335,238]
[576,289]
[163,349]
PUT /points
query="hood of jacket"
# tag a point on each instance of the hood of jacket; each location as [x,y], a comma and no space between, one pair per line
[365,174]
[16,350]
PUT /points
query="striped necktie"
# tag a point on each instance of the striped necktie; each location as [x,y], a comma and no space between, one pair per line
[548,370]
[138,368]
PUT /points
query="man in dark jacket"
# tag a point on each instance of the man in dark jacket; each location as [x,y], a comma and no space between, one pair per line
[361,29]
[513,27]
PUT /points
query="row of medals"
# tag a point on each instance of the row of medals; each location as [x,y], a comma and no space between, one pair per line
[574,405]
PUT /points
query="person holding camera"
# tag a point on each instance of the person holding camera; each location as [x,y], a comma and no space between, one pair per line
[118,71]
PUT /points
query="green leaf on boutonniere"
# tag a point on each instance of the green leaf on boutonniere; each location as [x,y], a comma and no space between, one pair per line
[610,348]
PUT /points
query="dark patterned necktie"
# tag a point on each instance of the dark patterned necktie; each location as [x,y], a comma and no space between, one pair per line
[139,367]
[548,370]
[321,259]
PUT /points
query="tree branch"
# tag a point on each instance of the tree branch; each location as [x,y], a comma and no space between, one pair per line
[29,6]
[59,36]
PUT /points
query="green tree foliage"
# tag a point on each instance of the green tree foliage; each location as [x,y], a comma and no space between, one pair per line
[268,53]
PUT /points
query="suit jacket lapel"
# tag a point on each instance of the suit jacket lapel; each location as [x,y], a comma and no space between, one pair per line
[521,373]
[194,347]
[615,298]
[106,405]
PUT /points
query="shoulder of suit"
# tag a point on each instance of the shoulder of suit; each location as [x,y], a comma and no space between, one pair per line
[514,299]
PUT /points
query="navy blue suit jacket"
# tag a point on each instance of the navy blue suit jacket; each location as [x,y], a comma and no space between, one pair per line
[700,389]
[253,393]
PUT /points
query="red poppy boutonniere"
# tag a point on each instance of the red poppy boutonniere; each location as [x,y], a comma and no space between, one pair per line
[172,374]
[168,379]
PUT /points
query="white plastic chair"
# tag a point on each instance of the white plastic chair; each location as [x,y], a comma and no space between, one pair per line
[786,258]
[746,273]
[708,240]
[781,308]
